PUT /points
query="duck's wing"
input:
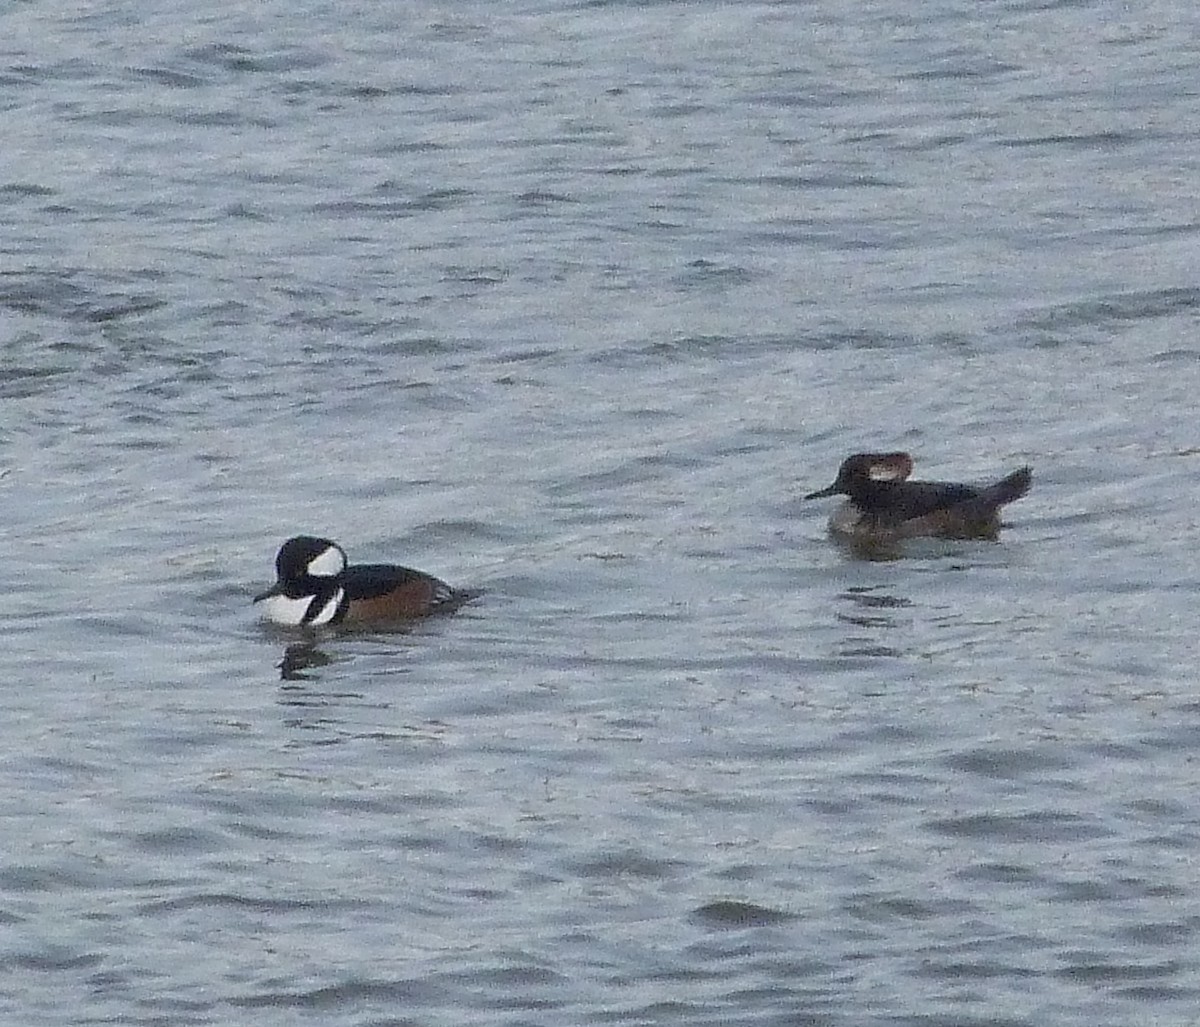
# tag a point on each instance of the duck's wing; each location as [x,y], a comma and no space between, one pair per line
[372,580]
[367,581]
[912,499]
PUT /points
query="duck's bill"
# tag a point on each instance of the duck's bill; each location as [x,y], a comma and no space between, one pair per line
[822,493]
[274,590]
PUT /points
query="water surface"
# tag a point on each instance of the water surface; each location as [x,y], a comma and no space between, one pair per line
[572,303]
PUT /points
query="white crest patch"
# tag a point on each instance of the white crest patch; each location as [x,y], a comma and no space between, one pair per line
[328,563]
[330,608]
[894,467]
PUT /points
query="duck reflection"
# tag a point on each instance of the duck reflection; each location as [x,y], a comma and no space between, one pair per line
[318,715]
[870,608]
[299,658]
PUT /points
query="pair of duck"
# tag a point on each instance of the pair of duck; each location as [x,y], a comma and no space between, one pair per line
[316,586]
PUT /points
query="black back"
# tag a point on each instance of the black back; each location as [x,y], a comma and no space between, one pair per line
[372,580]
[904,500]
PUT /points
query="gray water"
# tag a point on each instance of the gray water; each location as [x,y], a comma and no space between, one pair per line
[571,303]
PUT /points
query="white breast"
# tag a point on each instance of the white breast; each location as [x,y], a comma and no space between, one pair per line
[290,612]
[847,519]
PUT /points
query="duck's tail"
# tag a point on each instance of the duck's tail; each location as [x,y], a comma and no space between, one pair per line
[1014,486]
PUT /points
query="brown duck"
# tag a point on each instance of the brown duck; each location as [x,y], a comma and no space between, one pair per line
[884,506]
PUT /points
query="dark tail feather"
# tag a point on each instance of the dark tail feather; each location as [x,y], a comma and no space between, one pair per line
[1007,489]
[450,599]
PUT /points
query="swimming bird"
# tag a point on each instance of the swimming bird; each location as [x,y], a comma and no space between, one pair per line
[884,506]
[315,587]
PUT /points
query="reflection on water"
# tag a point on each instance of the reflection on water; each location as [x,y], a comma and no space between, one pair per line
[299,657]
[868,597]
[882,549]
[869,608]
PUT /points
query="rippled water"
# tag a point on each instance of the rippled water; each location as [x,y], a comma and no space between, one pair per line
[572,303]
